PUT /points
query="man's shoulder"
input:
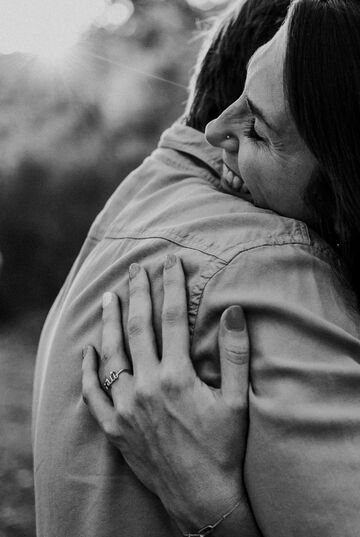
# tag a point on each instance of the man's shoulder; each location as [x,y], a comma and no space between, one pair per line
[227,226]
[197,215]
[246,227]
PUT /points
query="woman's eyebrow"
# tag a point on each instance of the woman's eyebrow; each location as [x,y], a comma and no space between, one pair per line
[257,112]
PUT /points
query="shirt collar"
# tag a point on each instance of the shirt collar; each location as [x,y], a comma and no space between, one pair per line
[188,140]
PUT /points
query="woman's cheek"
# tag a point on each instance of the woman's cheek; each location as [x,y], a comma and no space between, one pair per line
[254,174]
[246,159]
[247,164]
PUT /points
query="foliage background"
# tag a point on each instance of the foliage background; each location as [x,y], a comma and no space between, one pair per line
[67,140]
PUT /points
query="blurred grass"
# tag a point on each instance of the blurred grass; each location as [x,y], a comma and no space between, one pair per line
[17,358]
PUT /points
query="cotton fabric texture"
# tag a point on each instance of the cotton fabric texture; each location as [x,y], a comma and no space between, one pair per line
[303,457]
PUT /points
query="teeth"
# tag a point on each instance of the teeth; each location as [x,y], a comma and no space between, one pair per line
[234,181]
[237,183]
[229,176]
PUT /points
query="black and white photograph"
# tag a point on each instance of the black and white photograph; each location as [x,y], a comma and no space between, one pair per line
[180,268]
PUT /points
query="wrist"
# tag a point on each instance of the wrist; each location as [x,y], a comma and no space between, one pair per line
[234,519]
[205,511]
[241,523]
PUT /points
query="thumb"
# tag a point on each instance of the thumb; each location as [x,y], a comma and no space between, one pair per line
[234,355]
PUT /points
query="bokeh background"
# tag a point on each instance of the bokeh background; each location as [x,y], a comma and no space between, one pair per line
[73,123]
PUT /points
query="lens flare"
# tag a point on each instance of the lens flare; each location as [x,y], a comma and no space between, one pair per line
[50,28]
[116,15]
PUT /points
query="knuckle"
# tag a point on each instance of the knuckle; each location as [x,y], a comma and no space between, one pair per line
[169,383]
[170,280]
[172,315]
[142,396]
[125,415]
[121,411]
[236,354]
[110,427]
[237,405]
[110,350]
[136,325]
[105,355]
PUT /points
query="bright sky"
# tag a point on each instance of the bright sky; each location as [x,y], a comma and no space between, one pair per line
[48,28]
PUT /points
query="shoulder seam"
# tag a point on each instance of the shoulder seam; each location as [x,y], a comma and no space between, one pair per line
[238,254]
[168,239]
[172,236]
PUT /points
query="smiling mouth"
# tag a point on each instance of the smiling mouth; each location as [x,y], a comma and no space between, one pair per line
[235,182]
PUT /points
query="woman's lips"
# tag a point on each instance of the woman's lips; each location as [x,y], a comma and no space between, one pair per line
[235,182]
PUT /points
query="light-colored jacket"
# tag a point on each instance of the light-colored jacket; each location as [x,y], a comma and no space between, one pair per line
[303,457]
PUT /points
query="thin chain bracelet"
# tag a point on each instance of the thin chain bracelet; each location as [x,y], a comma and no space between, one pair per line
[206,530]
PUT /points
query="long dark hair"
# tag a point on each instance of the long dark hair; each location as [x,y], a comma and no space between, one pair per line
[322,84]
[220,74]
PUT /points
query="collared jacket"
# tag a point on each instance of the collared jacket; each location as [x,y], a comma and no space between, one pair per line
[303,456]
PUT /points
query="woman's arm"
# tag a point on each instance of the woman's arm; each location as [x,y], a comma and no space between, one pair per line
[184,440]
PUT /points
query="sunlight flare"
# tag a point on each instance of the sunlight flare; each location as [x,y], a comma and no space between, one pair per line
[116,14]
[48,29]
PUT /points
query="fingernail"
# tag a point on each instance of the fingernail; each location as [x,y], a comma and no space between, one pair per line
[170,261]
[234,319]
[134,269]
[107,298]
[84,351]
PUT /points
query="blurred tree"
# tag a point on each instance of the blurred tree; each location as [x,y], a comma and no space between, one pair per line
[78,133]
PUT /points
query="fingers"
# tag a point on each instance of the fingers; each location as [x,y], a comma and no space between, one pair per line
[99,404]
[175,325]
[113,355]
[142,341]
[234,356]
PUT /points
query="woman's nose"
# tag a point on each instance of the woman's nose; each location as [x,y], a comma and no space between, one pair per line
[219,133]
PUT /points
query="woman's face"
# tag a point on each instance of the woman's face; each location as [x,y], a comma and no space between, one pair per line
[265,159]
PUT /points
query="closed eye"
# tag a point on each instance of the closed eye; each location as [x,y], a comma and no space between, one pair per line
[250,131]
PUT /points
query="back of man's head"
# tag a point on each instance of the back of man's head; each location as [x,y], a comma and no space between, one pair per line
[221,68]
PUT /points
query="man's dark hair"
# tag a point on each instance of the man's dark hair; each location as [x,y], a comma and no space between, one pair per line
[322,84]
[221,71]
